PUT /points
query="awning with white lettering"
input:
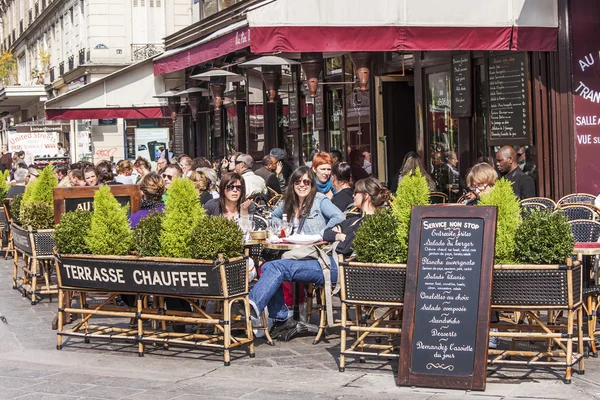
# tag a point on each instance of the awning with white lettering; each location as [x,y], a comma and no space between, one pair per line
[127,93]
[409,25]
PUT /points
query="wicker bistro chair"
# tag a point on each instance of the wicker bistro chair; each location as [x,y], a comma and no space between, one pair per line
[585,230]
[579,212]
[378,289]
[526,208]
[36,249]
[549,203]
[577,198]
[438,198]
[6,232]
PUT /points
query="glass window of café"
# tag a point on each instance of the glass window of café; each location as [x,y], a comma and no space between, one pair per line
[256,115]
[210,7]
[442,135]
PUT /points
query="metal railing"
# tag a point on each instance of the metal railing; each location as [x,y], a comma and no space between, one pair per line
[37,9]
[21,27]
[81,56]
[143,51]
[71,62]
[61,68]
[52,74]
[30,16]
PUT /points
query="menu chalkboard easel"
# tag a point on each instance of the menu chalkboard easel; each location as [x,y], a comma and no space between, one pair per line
[509,100]
[461,85]
[447,297]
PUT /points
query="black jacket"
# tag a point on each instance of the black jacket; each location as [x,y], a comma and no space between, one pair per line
[523,184]
[270,179]
[343,199]
[349,228]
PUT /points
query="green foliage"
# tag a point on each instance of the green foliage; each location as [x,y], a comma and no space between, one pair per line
[216,235]
[4,186]
[42,188]
[15,208]
[377,241]
[182,213]
[109,233]
[37,215]
[146,235]
[544,238]
[413,190]
[70,234]
[509,219]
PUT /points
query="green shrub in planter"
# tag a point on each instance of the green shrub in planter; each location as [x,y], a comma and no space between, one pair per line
[4,186]
[146,235]
[377,241]
[509,220]
[217,235]
[544,238]
[109,233]
[182,213]
[42,188]
[413,190]
[70,234]
[37,215]
[15,208]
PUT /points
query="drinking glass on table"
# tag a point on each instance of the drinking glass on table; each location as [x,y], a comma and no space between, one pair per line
[246,225]
[274,228]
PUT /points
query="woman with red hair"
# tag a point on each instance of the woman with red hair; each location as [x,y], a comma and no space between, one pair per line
[321,165]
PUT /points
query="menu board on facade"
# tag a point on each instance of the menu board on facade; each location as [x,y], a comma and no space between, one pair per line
[178,143]
[294,121]
[319,118]
[217,122]
[447,297]
[461,85]
[509,100]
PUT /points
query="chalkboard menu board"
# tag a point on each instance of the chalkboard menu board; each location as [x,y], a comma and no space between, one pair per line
[447,297]
[461,85]
[217,121]
[509,99]
[319,121]
[293,101]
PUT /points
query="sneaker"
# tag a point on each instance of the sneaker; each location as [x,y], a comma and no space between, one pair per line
[493,340]
[280,326]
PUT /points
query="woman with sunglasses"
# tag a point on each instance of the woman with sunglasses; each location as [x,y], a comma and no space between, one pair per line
[480,180]
[369,196]
[231,203]
[309,211]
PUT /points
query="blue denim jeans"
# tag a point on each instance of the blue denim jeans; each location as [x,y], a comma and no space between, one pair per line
[268,291]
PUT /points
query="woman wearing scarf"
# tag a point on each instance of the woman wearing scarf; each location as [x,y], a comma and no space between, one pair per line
[321,165]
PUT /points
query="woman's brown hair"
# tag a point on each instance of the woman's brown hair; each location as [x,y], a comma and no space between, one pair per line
[228,179]
[123,166]
[201,181]
[291,202]
[142,162]
[379,194]
[153,186]
[104,172]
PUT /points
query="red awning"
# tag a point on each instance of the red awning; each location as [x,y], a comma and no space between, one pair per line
[403,25]
[220,43]
[105,113]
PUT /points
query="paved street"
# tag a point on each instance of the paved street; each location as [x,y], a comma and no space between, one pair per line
[32,368]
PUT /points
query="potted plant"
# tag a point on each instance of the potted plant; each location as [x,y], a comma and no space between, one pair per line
[181,253]
[32,233]
[376,278]
[8,67]
[534,273]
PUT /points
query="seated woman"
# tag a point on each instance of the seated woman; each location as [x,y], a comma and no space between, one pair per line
[90,175]
[341,179]
[411,162]
[480,180]
[310,212]
[152,187]
[124,172]
[321,165]
[231,204]
[142,167]
[105,173]
[202,184]
[369,195]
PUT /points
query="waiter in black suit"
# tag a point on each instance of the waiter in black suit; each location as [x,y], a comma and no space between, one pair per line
[507,165]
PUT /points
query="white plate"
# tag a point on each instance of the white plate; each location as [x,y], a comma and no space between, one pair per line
[303,239]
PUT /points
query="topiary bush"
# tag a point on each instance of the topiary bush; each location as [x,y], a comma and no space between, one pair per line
[146,235]
[182,213]
[70,235]
[509,220]
[37,215]
[109,232]
[216,235]
[42,189]
[376,239]
[544,238]
[4,185]
[413,190]
[14,207]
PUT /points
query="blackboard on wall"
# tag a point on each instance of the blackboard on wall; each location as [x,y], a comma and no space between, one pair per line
[508,77]
[319,121]
[447,297]
[461,85]
[293,100]
[217,121]
[178,141]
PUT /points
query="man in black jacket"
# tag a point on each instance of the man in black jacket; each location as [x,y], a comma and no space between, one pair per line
[267,172]
[506,163]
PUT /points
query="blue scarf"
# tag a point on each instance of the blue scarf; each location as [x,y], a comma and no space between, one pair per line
[324,187]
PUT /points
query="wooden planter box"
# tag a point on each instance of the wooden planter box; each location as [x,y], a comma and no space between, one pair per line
[191,280]
[35,248]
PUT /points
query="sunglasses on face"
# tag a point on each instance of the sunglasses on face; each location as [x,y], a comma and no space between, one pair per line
[520,154]
[238,162]
[479,188]
[167,176]
[305,182]
[231,188]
